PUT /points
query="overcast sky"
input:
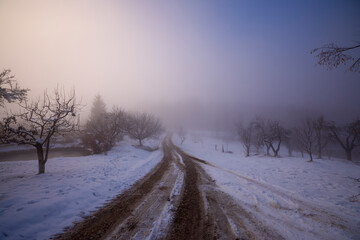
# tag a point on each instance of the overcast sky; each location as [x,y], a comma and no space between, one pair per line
[165,56]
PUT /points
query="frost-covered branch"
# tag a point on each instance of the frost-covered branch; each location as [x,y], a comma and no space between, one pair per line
[331,56]
[9,89]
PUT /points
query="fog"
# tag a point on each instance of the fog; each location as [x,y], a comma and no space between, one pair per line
[194,63]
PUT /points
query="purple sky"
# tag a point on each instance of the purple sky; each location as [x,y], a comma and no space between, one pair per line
[227,56]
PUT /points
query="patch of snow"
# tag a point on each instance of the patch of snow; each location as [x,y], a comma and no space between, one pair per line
[37,206]
[167,214]
[298,198]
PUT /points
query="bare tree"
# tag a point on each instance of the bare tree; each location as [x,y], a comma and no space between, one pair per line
[245,135]
[331,56]
[347,136]
[102,132]
[277,135]
[257,140]
[261,132]
[321,133]
[182,134]
[289,142]
[41,120]
[142,126]
[9,89]
[306,138]
[272,133]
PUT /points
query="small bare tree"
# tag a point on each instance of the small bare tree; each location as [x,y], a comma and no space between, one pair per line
[246,137]
[289,142]
[142,126]
[321,133]
[347,136]
[257,139]
[41,120]
[9,89]
[277,135]
[306,138]
[272,133]
[101,133]
[261,133]
[181,132]
[331,56]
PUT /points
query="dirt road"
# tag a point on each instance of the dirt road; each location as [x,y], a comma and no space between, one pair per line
[176,200]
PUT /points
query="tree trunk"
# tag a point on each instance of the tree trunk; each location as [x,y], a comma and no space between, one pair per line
[41,160]
[289,152]
[319,146]
[140,142]
[311,157]
[276,153]
[267,150]
[348,155]
[247,151]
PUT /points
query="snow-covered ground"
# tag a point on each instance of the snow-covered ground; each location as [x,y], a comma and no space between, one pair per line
[298,198]
[37,206]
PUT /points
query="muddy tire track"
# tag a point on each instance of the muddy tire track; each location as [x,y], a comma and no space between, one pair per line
[206,212]
[188,221]
[177,200]
[106,219]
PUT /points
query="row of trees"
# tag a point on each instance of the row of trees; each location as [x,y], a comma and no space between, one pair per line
[312,136]
[39,121]
[104,128]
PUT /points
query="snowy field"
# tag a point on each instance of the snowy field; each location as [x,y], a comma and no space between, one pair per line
[301,200]
[37,206]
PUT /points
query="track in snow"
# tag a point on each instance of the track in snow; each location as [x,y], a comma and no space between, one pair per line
[176,200]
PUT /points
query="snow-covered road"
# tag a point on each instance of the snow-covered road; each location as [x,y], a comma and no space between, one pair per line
[192,192]
[300,200]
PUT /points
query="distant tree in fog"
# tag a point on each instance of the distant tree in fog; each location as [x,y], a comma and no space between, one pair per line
[93,135]
[289,142]
[142,126]
[245,135]
[9,89]
[98,108]
[271,132]
[322,134]
[306,138]
[41,120]
[332,55]
[182,134]
[347,136]
[257,140]
[103,128]
[261,133]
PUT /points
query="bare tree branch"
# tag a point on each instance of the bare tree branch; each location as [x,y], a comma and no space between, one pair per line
[331,56]
[40,120]
[9,89]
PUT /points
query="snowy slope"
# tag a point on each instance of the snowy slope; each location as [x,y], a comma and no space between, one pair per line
[38,206]
[299,199]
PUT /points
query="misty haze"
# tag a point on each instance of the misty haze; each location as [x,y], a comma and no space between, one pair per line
[179,119]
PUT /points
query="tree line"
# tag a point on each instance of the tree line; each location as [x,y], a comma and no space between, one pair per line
[104,128]
[40,121]
[311,137]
